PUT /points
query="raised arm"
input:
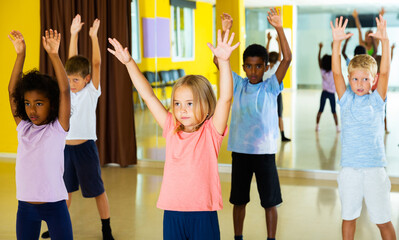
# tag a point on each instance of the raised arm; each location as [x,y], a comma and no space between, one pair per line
[223,52]
[392,48]
[227,24]
[319,55]
[274,19]
[359,27]
[20,48]
[269,37]
[51,43]
[279,48]
[75,29]
[339,34]
[344,49]
[96,57]
[140,82]
[382,36]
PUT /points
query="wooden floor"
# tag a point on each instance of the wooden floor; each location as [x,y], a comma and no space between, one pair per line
[311,207]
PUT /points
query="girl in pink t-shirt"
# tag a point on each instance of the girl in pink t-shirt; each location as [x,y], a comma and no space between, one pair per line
[328,88]
[41,107]
[194,129]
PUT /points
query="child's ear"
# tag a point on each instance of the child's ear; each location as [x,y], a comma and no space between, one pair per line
[243,68]
[375,80]
[87,78]
[267,68]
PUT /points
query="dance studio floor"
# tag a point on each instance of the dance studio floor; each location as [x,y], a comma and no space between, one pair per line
[311,207]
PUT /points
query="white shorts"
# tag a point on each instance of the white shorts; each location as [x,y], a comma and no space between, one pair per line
[373,185]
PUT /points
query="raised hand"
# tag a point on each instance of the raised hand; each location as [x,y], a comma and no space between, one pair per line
[382,11]
[338,31]
[94,29]
[76,24]
[269,36]
[51,41]
[320,45]
[227,22]
[122,54]
[223,49]
[18,41]
[381,32]
[274,18]
[355,14]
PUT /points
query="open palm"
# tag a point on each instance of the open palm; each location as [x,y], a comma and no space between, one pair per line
[94,29]
[274,18]
[224,48]
[76,24]
[122,54]
[18,41]
[338,31]
[381,33]
[51,41]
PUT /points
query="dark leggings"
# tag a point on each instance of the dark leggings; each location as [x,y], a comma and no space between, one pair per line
[55,214]
[324,96]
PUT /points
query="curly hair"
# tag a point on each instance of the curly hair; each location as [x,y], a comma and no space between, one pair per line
[35,81]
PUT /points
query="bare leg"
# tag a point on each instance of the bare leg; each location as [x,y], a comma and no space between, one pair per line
[335,119]
[280,124]
[348,229]
[238,218]
[318,120]
[271,221]
[103,206]
[387,231]
[69,201]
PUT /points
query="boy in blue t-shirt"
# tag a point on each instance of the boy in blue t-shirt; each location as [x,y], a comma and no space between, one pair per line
[363,161]
[254,129]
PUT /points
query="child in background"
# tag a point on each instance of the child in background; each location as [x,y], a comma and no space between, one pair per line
[368,42]
[328,88]
[363,174]
[82,163]
[254,131]
[359,49]
[41,108]
[274,62]
[194,130]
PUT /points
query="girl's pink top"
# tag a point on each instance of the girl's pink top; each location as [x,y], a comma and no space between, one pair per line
[191,178]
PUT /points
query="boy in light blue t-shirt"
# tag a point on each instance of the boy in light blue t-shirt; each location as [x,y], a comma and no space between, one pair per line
[363,175]
[254,129]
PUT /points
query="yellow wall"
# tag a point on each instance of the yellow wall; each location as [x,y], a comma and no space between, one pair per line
[202,63]
[24,16]
[288,23]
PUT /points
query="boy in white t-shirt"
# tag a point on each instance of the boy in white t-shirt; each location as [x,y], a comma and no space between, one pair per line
[82,163]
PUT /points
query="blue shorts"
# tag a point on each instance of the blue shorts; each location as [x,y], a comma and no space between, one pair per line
[82,167]
[55,214]
[190,225]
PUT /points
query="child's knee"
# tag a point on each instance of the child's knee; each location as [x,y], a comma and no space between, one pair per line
[385,226]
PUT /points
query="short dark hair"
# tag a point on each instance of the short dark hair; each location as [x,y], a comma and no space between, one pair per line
[256,50]
[359,50]
[35,81]
[273,57]
[78,65]
[326,62]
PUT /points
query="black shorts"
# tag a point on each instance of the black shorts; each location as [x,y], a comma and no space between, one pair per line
[280,106]
[82,167]
[264,167]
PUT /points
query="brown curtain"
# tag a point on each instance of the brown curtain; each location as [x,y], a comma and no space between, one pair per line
[115,122]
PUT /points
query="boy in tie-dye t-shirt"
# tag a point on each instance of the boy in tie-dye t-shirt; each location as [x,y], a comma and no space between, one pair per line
[254,130]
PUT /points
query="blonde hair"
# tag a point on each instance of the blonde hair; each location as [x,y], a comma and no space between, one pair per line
[363,61]
[204,99]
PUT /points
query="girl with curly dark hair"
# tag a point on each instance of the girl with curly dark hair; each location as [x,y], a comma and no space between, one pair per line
[41,110]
